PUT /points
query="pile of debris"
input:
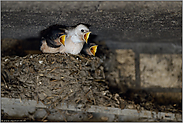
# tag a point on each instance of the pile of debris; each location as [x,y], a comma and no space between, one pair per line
[56,78]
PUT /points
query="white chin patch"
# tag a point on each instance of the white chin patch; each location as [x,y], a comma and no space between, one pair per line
[76,39]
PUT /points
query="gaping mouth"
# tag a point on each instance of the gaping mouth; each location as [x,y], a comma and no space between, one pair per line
[86,36]
[93,49]
[62,39]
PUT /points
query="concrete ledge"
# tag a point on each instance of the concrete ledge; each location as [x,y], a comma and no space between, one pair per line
[12,107]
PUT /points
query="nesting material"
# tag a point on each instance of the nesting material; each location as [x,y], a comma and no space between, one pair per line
[55,79]
[74,79]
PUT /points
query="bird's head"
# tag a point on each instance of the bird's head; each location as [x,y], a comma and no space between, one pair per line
[83,32]
[93,50]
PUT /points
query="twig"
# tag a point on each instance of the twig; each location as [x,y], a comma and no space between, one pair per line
[49,97]
[37,99]
[74,72]
[45,117]
[87,92]
[116,98]
[4,81]
[89,100]
[54,103]
[48,113]
[43,102]
[107,98]
[57,94]
[20,99]
[91,116]
[52,70]
[108,105]
[98,80]
[59,99]
[93,98]
[48,103]
[78,100]
[67,96]
[53,80]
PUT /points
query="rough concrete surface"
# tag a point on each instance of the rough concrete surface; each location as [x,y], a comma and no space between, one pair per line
[126,66]
[118,21]
[161,70]
[156,70]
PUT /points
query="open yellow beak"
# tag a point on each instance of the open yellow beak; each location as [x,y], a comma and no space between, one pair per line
[86,36]
[93,49]
[62,39]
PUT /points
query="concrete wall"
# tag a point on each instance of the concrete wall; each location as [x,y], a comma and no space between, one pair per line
[111,21]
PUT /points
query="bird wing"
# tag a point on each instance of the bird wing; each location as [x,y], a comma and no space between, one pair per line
[54,36]
[46,49]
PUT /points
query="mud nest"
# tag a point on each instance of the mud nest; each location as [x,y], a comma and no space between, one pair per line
[71,79]
[57,78]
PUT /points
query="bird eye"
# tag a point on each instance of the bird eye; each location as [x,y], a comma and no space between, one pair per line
[58,35]
[82,30]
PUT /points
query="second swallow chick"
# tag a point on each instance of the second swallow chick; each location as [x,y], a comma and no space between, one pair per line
[52,41]
[90,49]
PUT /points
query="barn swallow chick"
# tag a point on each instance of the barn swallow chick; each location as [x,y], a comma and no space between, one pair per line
[52,41]
[90,49]
[75,39]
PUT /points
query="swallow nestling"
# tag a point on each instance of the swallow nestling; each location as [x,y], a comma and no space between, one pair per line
[65,40]
[93,50]
[52,41]
[75,39]
[90,49]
